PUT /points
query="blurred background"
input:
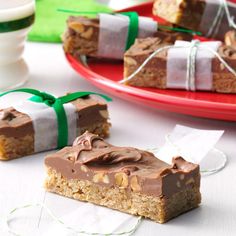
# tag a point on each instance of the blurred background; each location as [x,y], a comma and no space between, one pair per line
[119,4]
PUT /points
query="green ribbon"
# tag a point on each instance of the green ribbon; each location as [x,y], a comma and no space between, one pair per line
[57,105]
[133,28]
[9,26]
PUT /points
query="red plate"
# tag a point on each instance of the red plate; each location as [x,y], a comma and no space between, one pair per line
[105,74]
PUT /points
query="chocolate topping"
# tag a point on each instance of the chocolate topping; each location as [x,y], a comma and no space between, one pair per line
[101,152]
[91,158]
[14,123]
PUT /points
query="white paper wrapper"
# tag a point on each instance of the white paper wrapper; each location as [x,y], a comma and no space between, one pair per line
[193,145]
[147,27]
[177,66]
[45,123]
[113,33]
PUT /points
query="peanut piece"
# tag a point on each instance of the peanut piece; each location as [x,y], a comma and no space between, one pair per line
[135,185]
[104,113]
[77,27]
[178,184]
[190,181]
[130,61]
[121,180]
[101,177]
[181,177]
[87,34]
[84,168]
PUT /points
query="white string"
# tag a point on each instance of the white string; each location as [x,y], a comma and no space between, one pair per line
[146,61]
[220,167]
[223,8]
[191,66]
[130,77]
[205,172]
[57,220]
[216,21]
[229,68]
[229,17]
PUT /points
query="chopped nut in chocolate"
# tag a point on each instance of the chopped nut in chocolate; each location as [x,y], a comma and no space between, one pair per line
[230,39]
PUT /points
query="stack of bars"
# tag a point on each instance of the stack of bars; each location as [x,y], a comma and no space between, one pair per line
[213,67]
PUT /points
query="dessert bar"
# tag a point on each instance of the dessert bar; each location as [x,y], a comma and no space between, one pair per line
[207,16]
[123,178]
[17,131]
[155,72]
[82,37]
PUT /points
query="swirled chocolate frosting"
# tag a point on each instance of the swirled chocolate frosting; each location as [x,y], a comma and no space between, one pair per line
[93,159]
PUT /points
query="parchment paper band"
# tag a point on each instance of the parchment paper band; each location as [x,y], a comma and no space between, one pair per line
[113,34]
[194,74]
[45,123]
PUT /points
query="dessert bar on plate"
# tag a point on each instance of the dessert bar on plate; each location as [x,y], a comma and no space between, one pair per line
[82,36]
[17,134]
[154,73]
[123,178]
[206,16]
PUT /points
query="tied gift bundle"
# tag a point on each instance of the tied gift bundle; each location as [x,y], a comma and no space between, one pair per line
[156,57]
[207,66]
[45,122]
[110,35]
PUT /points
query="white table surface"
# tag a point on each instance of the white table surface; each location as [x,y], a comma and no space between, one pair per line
[21,180]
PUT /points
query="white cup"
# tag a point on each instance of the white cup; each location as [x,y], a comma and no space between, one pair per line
[16,18]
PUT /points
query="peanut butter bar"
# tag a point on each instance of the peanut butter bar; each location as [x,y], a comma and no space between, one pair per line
[17,136]
[197,15]
[123,178]
[82,35]
[154,74]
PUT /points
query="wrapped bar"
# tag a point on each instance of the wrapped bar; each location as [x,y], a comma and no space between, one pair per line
[165,70]
[107,39]
[24,131]
[123,178]
[207,16]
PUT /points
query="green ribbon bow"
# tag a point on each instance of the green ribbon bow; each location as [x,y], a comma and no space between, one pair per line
[14,25]
[57,105]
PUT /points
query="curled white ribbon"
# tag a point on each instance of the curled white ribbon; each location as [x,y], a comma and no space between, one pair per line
[229,17]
